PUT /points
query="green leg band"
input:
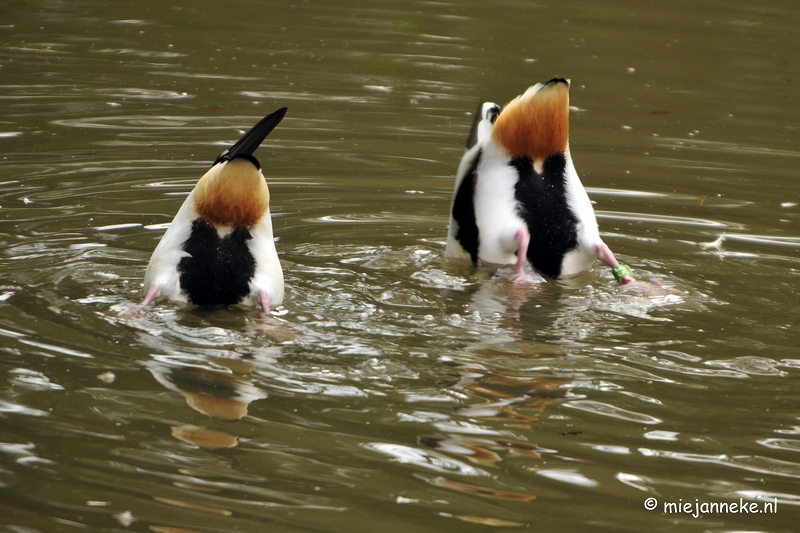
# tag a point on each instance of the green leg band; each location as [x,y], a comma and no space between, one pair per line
[620,271]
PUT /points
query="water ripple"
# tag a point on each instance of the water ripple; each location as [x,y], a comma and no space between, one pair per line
[751,463]
[423,458]
[604,409]
[568,476]
[667,220]
[724,147]
[791,445]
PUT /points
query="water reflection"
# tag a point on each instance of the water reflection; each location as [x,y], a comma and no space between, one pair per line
[211,392]
[219,395]
[395,388]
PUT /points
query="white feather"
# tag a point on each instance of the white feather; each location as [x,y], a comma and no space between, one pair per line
[580,259]
[268,275]
[489,112]
[454,250]
[163,266]
[496,208]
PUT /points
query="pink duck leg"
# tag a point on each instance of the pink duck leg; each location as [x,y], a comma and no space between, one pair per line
[263,299]
[152,294]
[523,238]
[605,255]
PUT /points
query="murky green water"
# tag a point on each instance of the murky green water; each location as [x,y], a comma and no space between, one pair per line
[402,393]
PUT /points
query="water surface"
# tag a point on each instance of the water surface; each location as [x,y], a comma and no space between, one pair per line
[394,390]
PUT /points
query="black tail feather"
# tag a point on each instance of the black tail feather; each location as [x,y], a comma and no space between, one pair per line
[251,140]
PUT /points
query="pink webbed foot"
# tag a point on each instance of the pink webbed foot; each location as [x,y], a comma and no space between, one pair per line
[522,277]
[652,289]
[273,327]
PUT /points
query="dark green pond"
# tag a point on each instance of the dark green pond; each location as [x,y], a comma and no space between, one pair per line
[399,392]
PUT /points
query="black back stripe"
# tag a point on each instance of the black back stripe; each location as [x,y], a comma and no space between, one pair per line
[543,206]
[464,211]
[217,271]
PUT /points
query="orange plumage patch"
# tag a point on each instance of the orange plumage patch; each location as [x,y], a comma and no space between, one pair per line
[233,194]
[536,124]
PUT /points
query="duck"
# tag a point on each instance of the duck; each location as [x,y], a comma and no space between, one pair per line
[518,198]
[219,248]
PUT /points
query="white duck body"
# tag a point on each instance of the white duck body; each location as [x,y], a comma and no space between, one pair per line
[455,249]
[581,258]
[496,208]
[219,248]
[268,275]
[480,133]
[519,196]
[162,270]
